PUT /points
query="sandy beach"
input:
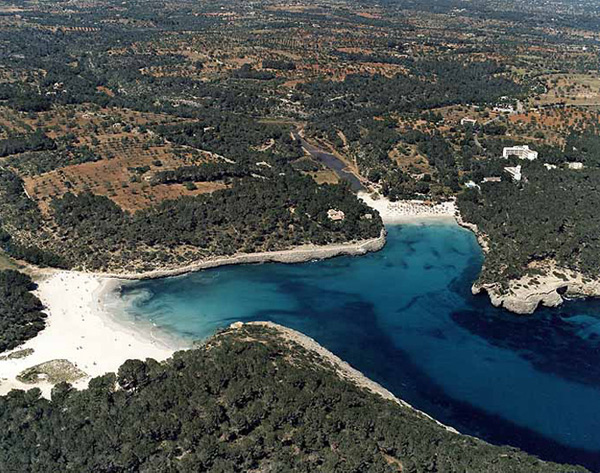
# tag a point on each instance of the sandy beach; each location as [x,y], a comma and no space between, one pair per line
[80,330]
[408,211]
[91,336]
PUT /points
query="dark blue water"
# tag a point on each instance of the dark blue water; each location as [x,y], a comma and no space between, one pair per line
[406,318]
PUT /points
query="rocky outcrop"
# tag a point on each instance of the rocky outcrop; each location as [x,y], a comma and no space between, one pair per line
[299,254]
[525,295]
[481,237]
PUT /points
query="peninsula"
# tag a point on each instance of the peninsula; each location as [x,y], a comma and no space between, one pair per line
[538,236]
[241,414]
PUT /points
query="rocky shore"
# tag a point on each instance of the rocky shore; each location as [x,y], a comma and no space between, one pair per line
[481,237]
[299,254]
[523,296]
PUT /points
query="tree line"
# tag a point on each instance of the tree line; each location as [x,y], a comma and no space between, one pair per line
[248,400]
[21,316]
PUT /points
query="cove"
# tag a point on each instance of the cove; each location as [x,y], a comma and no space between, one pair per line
[406,318]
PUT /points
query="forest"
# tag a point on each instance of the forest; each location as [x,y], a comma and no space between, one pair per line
[550,217]
[21,316]
[254,215]
[248,400]
[36,141]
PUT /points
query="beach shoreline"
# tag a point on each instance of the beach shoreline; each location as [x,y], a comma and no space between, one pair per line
[81,330]
[409,211]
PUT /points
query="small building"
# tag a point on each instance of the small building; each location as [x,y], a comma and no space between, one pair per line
[550,166]
[468,121]
[504,109]
[492,179]
[514,172]
[335,215]
[575,165]
[521,152]
[472,185]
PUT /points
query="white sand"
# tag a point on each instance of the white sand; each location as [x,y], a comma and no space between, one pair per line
[80,330]
[406,211]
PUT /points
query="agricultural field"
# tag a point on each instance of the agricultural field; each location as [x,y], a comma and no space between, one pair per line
[125,156]
[571,89]
[181,103]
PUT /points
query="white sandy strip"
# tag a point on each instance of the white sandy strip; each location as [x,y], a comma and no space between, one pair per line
[405,211]
[81,331]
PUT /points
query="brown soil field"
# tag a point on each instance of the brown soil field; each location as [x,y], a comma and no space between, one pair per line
[553,118]
[553,123]
[112,178]
[453,114]
[104,124]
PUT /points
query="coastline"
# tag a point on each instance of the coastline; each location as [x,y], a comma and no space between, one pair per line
[83,331]
[80,329]
[523,296]
[481,237]
[300,254]
[343,369]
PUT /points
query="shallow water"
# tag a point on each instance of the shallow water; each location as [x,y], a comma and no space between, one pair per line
[406,318]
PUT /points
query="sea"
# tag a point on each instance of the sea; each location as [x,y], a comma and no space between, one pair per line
[406,318]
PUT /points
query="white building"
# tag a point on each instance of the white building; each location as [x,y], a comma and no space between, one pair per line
[575,165]
[492,179]
[472,185]
[504,109]
[514,172]
[522,152]
[468,121]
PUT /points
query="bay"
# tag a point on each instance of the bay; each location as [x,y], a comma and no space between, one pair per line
[406,318]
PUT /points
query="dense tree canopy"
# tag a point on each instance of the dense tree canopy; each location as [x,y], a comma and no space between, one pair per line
[550,215]
[247,401]
[21,316]
[273,213]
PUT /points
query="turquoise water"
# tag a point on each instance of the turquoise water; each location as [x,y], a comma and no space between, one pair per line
[406,318]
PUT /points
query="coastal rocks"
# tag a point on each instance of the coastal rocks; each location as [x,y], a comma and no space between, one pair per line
[525,295]
[300,254]
[481,238]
